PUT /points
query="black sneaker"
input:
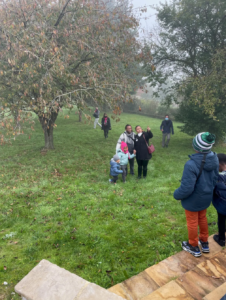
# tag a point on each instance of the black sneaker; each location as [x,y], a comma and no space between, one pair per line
[217,240]
[138,177]
[204,246]
[195,251]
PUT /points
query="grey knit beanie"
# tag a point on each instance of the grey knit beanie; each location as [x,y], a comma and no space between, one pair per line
[116,157]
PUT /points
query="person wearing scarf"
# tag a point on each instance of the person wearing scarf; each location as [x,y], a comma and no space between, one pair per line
[106,125]
[128,137]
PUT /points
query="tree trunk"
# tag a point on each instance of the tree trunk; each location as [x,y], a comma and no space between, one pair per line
[105,107]
[16,120]
[49,138]
[47,126]
[80,116]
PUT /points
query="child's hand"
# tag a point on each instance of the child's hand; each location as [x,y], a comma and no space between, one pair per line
[134,151]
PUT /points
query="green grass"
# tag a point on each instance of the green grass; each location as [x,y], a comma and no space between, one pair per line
[61,207]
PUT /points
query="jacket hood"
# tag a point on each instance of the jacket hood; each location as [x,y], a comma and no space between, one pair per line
[123,145]
[112,162]
[212,162]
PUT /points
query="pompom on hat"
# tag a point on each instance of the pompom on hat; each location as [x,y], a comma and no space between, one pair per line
[203,142]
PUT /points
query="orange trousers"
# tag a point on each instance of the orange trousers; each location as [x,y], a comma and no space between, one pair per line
[195,219]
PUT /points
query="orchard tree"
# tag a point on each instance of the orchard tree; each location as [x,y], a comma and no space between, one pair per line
[56,54]
[190,34]
[208,99]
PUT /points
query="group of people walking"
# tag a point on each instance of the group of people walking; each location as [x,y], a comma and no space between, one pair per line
[201,182]
[166,126]
[105,122]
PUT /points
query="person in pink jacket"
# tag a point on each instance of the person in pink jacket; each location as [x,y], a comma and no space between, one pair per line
[124,156]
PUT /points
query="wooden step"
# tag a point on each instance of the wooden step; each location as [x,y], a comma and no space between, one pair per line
[135,287]
[206,277]
[173,268]
[170,291]
[217,294]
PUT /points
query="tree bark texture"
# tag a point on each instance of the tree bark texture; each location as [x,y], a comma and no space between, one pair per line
[47,126]
[80,116]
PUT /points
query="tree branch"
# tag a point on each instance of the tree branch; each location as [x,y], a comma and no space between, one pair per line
[62,14]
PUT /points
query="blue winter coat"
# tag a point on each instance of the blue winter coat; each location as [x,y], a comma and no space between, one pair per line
[115,168]
[219,196]
[196,196]
[124,157]
[167,126]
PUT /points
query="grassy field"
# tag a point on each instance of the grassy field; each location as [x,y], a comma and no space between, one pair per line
[61,207]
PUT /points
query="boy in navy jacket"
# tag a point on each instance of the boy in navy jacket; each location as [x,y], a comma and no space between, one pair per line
[219,200]
[196,192]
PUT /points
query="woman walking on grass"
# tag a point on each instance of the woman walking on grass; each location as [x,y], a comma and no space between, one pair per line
[141,147]
[106,125]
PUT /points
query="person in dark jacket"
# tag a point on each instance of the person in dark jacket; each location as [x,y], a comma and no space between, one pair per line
[96,115]
[219,200]
[106,125]
[141,147]
[166,128]
[196,191]
[115,168]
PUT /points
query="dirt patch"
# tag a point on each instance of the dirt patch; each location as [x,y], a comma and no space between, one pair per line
[171,218]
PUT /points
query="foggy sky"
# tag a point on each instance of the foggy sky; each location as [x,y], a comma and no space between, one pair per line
[150,15]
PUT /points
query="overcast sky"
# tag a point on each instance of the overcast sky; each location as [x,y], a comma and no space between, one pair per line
[148,19]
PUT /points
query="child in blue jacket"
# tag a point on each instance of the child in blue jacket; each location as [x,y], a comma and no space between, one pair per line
[115,168]
[219,200]
[196,192]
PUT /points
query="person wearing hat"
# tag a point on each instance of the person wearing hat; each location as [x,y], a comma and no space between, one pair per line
[196,192]
[115,168]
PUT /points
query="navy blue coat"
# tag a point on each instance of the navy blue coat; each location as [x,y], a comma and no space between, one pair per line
[219,196]
[115,168]
[167,126]
[196,196]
